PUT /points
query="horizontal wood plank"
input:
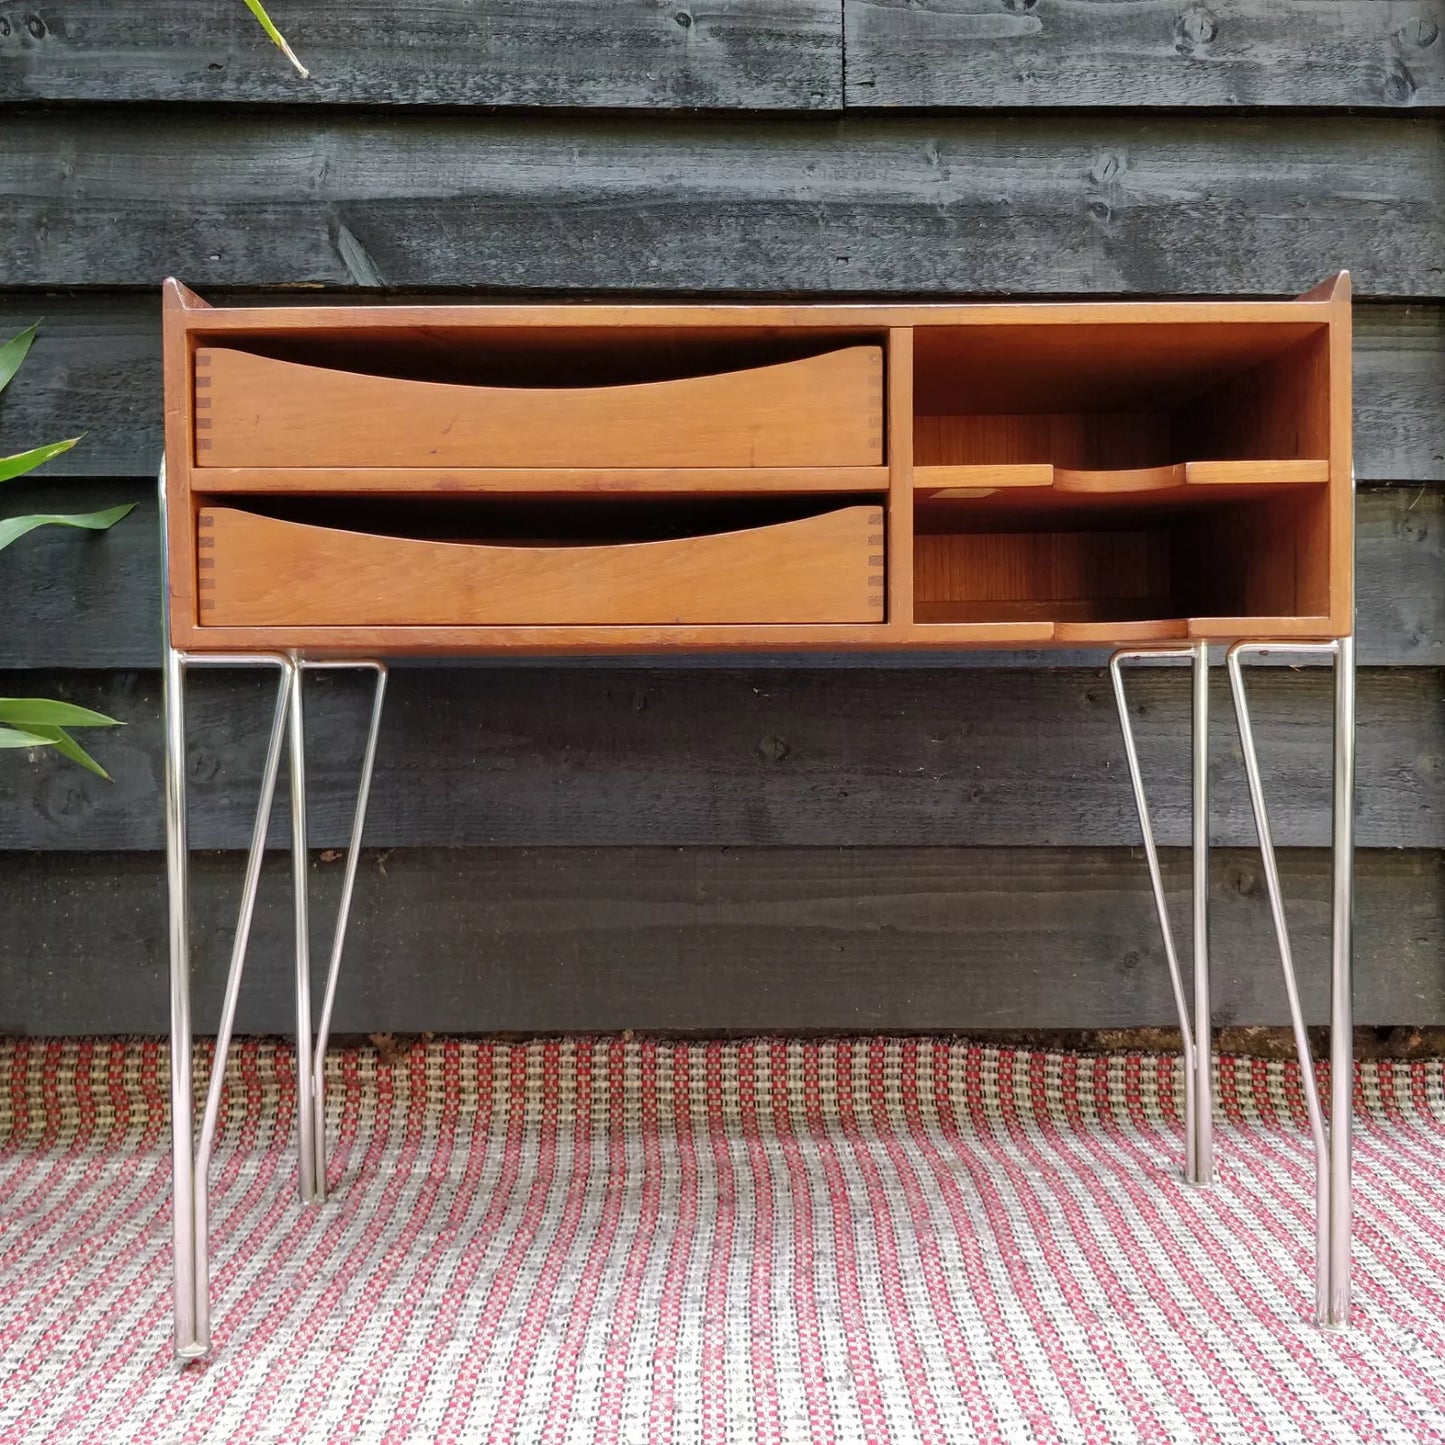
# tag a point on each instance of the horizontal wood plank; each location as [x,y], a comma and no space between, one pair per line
[535,940]
[74,599]
[1038,205]
[552,756]
[1264,54]
[736,54]
[95,368]
[611,54]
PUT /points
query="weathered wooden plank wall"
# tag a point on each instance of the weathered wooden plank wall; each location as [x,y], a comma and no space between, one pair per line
[1269,54]
[758,55]
[526,939]
[701,846]
[822,757]
[1030,205]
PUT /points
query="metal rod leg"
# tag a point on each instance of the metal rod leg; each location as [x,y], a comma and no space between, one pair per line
[343,916]
[188,1342]
[1203,1171]
[1342,1061]
[305,1114]
[191,1155]
[227,1025]
[1198,1092]
[1331,1146]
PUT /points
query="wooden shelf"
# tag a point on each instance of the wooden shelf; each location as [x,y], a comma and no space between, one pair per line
[965,482]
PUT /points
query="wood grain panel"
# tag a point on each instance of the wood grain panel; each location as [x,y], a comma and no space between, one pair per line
[535,940]
[558,483]
[815,757]
[258,571]
[1263,54]
[256,411]
[1031,205]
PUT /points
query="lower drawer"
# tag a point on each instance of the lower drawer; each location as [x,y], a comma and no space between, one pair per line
[261,571]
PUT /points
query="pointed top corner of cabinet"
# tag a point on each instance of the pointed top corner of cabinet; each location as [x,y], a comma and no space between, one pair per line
[176,295]
[1335,288]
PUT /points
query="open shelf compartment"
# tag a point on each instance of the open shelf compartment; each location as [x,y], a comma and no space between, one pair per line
[1122,480]
[1107,567]
[1107,396]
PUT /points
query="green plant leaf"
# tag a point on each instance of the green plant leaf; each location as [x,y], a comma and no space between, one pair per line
[277,39]
[68,747]
[27,712]
[12,528]
[13,353]
[22,462]
[17,738]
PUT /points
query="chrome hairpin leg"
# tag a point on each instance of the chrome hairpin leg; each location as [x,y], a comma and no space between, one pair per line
[1333,1195]
[311,1058]
[1198,1076]
[191,1156]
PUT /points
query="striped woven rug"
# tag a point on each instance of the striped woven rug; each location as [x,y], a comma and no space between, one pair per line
[612,1240]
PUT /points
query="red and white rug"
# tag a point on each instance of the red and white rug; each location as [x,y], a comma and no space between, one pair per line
[612,1240]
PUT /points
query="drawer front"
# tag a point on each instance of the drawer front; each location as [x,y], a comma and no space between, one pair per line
[258,571]
[254,411]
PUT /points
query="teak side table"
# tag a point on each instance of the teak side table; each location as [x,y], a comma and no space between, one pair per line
[348,483]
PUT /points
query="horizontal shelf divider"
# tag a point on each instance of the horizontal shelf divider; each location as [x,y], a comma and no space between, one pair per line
[964,482]
[934,621]
[454,481]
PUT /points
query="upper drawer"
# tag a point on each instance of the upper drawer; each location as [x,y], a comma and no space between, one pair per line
[255,411]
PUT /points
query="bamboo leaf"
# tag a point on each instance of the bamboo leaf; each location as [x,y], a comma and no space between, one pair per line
[26,712]
[13,353]
[12,528]
[22,462]
[277,39]
[68,747]
[17,738]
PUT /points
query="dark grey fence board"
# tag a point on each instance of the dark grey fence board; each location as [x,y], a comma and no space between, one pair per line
[553,756]
[727,54]
[1258,53]
[75,599]
[1399,376]
[750,54]
[72,598]
[1032,205]
[95,367]
[479,940]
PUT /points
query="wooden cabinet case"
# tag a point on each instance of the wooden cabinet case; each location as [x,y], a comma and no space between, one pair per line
[627,478]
